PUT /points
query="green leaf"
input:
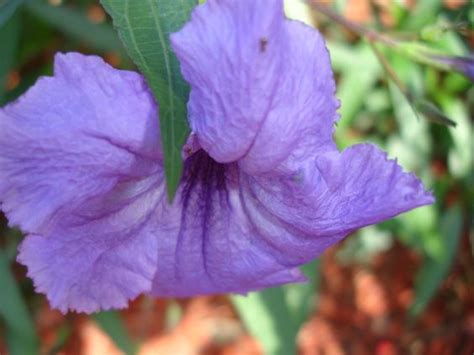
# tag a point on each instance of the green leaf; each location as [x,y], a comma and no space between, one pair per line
[62,336]
[449,41]
[173,315]
[268,318]
[414,143]
[300,296]
[301,11]
[9,36]
[354,85]
[112,324]
[441,59]
[343,55]
[20,330]
[13,237]
[432,113]
[461,155]
[144,27]
[425,12]
[419,230]
[364,246]
[7,9]
[434,270]
[76,25]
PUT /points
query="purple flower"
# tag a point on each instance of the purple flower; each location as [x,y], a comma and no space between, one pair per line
[464,65]
[264,189]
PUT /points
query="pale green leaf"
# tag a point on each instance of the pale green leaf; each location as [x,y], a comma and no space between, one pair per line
[360,72]
[112,324]
[423,14]
[461,156]
[7,9]
[268,318]
[301,297]
[76,25]
[9,37]
[434,270]
[20,330]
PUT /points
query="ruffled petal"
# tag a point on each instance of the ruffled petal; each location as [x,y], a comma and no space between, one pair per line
[329,197]
[230,231]
[262,86]
[80,171]
[103,254]
[73,136]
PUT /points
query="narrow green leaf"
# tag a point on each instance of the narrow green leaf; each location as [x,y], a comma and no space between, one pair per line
[432,56]
[301,297]
[432,113]
[461,155]
[20,330]
[268,318]
[173,315]
[424,13]
[144,27]
[9,36]
[75,24]
[413,143]
[112,324]
[344,55]
[7,9]
[429,110]
[13,237]
[63,335]
[434,270]
[364,79]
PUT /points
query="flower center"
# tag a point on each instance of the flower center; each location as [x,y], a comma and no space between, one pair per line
[203,176]
[204,198]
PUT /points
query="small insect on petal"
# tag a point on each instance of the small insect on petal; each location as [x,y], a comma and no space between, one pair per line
[263,44]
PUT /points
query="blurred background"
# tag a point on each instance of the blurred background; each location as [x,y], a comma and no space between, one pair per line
[403,287]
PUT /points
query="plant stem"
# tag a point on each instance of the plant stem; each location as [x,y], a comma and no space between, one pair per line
[355,28]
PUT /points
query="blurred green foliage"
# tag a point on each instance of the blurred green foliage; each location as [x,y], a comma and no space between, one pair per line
[20,331]
[373,109]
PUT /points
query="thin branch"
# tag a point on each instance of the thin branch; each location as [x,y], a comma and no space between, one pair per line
[359,30]
[389,69]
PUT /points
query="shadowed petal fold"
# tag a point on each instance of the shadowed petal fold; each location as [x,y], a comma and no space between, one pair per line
[208,244]
[80,171]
